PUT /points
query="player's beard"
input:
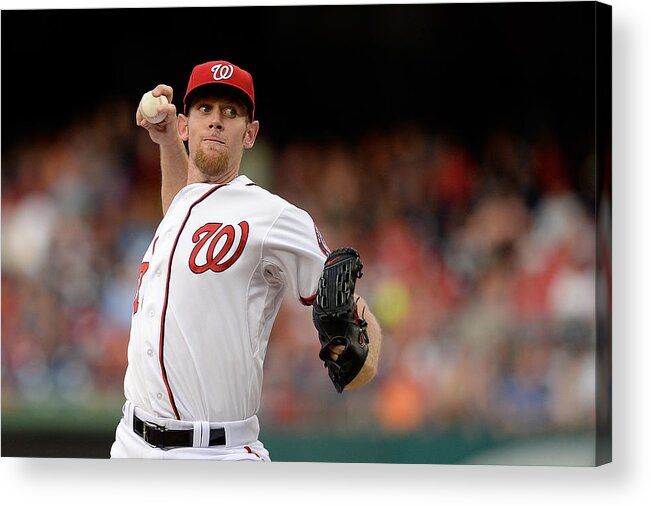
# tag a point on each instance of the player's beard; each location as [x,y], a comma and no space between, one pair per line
[212,162]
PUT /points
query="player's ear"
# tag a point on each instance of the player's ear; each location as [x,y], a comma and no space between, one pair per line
[251,133]
[182,126]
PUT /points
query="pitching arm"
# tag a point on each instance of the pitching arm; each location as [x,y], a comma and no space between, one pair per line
[173,156]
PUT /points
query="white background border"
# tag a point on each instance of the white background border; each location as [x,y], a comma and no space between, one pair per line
[626,481]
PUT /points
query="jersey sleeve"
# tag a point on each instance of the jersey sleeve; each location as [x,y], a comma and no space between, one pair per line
[294,253]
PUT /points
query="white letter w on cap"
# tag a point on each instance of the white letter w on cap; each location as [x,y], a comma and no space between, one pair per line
[220,72]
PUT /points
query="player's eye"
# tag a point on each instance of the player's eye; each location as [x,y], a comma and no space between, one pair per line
[230,111]
[205,108]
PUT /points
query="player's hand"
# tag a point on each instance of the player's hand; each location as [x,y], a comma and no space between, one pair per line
[336,350]
[164,132]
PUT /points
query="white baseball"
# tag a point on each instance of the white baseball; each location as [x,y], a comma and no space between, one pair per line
[149,107]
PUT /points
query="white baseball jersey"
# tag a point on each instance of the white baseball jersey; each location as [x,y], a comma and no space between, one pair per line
[211,284]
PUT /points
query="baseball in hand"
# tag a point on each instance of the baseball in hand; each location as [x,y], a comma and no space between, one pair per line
[149,107]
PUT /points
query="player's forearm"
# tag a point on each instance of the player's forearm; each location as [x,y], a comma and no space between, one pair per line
[174,171]
[374,332]
[164,132]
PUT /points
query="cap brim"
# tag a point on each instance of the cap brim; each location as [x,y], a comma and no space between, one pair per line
[246,100]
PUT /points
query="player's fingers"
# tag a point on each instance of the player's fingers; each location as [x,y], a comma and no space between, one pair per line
[336,350]
[163,89]
[152,127]
[169,110]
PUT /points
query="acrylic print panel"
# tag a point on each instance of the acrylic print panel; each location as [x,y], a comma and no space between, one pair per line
[456,146]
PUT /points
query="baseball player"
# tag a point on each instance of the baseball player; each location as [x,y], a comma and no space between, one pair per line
[212,280]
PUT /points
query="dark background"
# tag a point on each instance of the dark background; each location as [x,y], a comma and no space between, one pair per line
[319,70]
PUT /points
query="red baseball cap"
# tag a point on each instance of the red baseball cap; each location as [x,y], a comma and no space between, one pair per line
[221,72]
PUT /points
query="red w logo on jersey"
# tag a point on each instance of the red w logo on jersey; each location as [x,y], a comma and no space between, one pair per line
[221,242]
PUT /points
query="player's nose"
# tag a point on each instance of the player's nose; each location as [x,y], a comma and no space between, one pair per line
[216,121]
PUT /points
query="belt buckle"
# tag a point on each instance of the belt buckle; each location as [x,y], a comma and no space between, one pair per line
[151,426]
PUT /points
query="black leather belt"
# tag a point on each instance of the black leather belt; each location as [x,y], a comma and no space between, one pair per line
[163,438]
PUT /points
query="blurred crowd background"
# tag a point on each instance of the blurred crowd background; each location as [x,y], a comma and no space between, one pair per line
[452,145]
[479,266]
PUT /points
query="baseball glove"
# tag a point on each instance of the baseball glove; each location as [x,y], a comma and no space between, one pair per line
[335,317]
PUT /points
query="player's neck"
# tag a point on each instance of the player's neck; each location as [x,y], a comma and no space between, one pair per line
[196,176]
